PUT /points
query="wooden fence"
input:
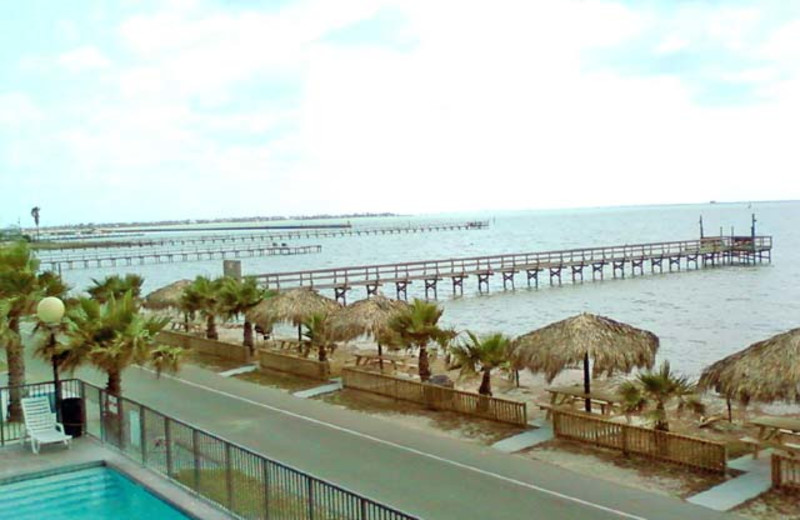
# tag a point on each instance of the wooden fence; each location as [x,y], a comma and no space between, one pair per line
[437,397]
[294,365]
[688,451]
[234,351]
[785,472]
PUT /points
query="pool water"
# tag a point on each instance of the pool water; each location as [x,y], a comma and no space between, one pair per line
[97,493]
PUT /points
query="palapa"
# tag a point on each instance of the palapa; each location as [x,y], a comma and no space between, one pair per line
[369,317]
[294,305]
[166,297]
[612,347]
[766,371]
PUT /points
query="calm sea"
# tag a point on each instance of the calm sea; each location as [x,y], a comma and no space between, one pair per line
[700,315]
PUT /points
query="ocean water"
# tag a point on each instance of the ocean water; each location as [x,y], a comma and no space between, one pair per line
[699,315]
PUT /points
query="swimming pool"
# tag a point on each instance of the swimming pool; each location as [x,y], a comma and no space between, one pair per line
[97,493]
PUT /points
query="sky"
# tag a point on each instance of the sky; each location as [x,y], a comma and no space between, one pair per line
[138,110]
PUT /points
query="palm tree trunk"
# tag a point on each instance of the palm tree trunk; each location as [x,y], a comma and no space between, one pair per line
[211,327]
[486,383]
[16,371]
[587,385]
[380,357]
[248,336]
[186,322]
[424,365]
[114,383]
[661,423]
[322,354]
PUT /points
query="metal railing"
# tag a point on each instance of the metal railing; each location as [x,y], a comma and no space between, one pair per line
[243,482]
[13,431]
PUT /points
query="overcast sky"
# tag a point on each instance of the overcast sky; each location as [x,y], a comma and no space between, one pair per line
[146,110]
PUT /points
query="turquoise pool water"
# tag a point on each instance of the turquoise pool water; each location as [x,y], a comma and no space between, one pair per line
[96,493]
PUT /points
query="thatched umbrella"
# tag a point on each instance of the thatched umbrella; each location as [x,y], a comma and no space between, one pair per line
[611,345]
[370,317]
[294,305]
[166,297]
[766,371]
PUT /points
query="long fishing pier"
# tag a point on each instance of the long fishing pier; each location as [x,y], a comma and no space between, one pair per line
[704,252]
[270,237]
[156,256]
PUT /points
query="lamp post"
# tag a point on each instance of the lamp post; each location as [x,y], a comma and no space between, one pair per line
[50,311]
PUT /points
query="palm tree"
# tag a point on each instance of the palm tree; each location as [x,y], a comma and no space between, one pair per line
[659,388]
[239,296]
[21,288]
[203,296]
[113,335]
[116,286]
[35,214]
[481,355]
[316,329]
[417,326]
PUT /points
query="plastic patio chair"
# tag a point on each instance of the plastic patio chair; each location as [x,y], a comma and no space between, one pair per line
[40,423]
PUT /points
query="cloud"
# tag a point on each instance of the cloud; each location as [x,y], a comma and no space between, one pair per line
[82,59]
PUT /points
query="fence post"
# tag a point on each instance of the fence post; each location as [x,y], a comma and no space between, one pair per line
[120,435]
[228,476]
[625,440]
[310,493]
[363,509]
[265,464]
[168,442]
[196,459]
[143,435]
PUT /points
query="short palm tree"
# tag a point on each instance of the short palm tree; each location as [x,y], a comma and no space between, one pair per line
[317,331]
[418,326]
[21,287]
[239,296]
[203,296]
[116,286]
[481,355]
[113,335]
[656,389]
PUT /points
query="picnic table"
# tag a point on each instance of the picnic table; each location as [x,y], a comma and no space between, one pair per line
[568,395]
[364,359]
[782,433]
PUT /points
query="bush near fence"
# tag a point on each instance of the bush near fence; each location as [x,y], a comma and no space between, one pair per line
[234,351]
[294,365]
[785,472]
[687,451]
[436,397]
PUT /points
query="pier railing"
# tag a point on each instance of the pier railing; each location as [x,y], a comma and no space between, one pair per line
[343,277]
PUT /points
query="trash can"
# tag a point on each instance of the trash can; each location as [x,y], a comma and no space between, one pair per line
[72,416]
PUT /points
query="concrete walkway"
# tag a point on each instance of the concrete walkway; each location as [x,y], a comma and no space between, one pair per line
[334,386]
[526,439]
[239,370]
[756,480]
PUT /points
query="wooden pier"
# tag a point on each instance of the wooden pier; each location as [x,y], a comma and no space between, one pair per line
[273,238]
[158,256]
[575,263]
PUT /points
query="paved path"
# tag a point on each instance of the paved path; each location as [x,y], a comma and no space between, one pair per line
[335,386]
[423,474]
[756,480]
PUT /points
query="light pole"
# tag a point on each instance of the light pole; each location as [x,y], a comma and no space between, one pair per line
[50,311]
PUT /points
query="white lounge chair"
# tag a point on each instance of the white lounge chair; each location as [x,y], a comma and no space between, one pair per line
[40,423]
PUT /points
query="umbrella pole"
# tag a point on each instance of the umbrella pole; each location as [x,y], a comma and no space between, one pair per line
[730,412]
[586,383]
[380,356]
[299,332]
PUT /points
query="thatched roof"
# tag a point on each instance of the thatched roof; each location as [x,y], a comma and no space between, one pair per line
[370,317]
[611,345]
[766,371]
[167,296]
[294,305]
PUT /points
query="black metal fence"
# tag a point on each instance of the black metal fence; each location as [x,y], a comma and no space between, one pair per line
[12,430]
[240,480]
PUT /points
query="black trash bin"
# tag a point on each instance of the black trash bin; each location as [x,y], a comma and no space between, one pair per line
[72,416]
